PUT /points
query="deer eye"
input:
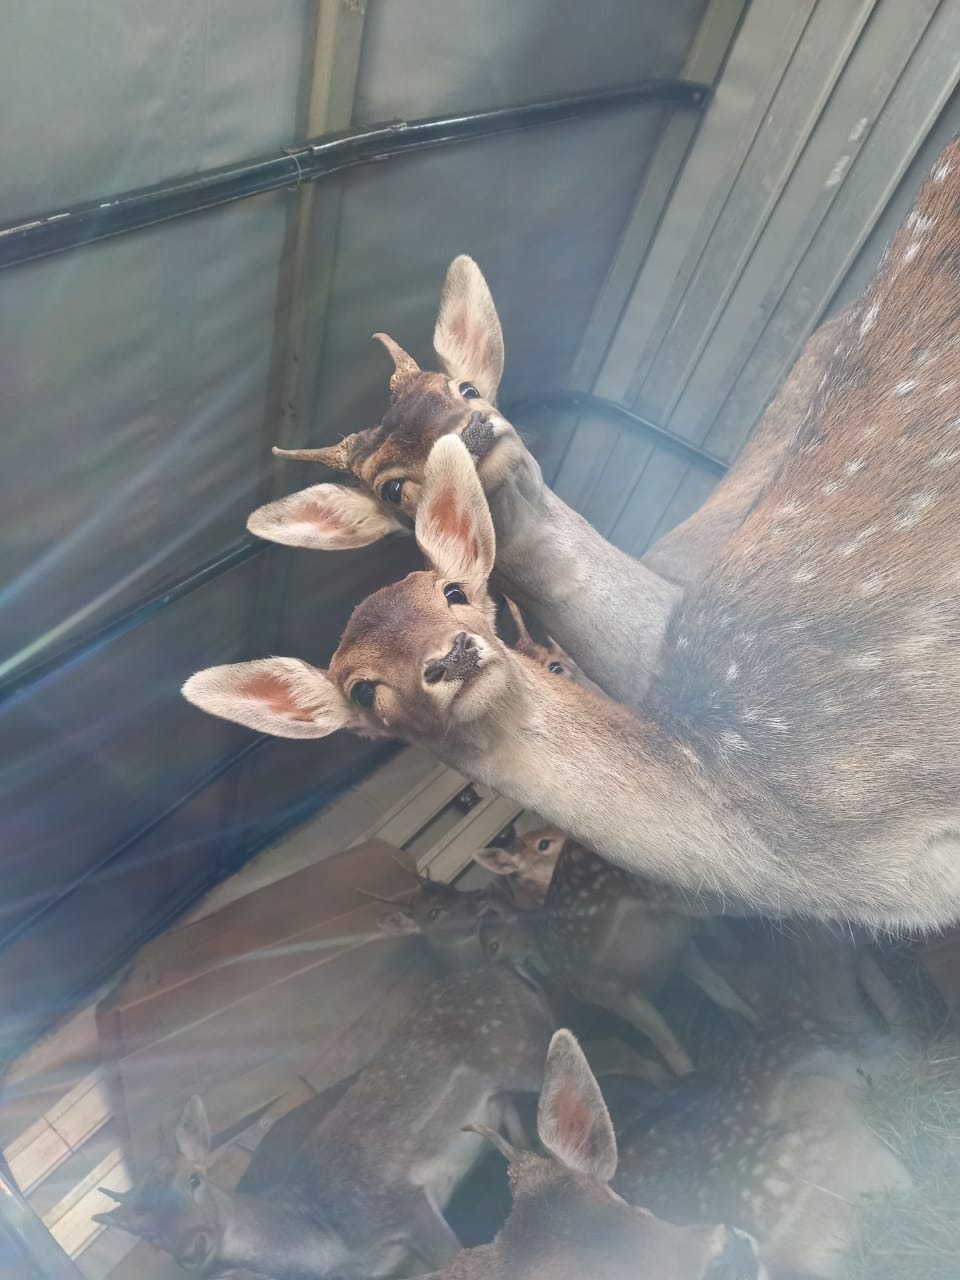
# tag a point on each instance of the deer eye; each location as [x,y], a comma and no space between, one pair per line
[556,668]
[543,845]
[363,693]
[469,391]
[433,913]
[196,1182]
[493,947]
[455,594]
[392,492]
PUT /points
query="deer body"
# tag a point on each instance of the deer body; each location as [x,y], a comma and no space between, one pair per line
[612,939]
[778,1144]
[369,1184]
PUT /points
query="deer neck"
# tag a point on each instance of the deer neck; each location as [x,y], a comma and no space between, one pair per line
[272,1239]
[615,780]
[606,609]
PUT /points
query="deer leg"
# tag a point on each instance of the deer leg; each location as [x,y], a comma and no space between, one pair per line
[640,1013]
[881,992]
[712,984]
[611,1058]
[431,1236]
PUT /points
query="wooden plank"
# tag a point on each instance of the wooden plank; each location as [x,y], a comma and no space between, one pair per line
[66,1126]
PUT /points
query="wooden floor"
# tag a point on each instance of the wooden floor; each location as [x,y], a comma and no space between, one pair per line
[83,1105]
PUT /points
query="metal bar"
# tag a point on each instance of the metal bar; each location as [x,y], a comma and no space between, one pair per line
[130,619]
[627,418]
[94,220]
[27,1237]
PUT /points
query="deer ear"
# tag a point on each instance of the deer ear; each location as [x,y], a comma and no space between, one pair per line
[397,923]
[572,1118]
[502,862]
[284,697]
[325,517]
[467,338]
[193,1132]
[454,529]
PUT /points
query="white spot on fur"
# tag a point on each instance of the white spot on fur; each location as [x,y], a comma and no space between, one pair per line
[682,642]
[868,661]
[872,585]
[832,486]
[776,1186]
[790,510]
[946,387]
[942,171]
[911,251]
[942,457]
[732,741]
[732,672]
[750,716]
[856,465]
[806,573]
[856,542]
[869,319]
[785,1161]
[777,724]
[904,387]
[914,510]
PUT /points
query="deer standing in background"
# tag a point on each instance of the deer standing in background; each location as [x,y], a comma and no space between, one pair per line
[608,610]
[779,1143]
[368,1186]
[567,1223]
[549,655]
[612,939]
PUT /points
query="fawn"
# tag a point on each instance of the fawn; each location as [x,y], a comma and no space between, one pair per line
[801,747]
[567,1223]
[612,939]
[778,1143]
[368,1185]
[609,610]
[527,864]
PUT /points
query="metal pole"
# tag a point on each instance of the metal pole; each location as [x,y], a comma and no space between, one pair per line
[26,1238]
[80,224]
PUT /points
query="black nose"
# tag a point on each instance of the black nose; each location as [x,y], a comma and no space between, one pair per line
[461,660]
[477,435]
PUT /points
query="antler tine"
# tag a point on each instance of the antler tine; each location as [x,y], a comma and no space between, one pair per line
[508,1152]
[118,1196]
[523,635]
[378,897]
[404,365]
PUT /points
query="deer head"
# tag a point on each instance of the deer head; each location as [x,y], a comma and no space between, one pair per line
[175,1206]
[446,918]
[567,1223]
[548,655]
[528,862]
[420,659]
[389,460]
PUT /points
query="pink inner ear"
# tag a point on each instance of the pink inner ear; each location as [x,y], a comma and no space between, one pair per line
[573,1120]
[276,695]
[313,511]
[450,521]
[459,327]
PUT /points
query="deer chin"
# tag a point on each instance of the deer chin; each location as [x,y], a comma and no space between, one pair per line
[469,694]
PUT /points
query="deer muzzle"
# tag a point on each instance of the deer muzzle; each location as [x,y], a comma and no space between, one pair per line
[462,660]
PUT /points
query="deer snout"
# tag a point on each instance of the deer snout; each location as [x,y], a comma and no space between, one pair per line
[462,659]
[478,435]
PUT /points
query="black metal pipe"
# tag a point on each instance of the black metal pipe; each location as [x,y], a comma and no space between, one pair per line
[660,436]
[75,225]
[131,618]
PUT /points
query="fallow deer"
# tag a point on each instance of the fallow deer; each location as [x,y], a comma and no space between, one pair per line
[608,610]
[527,863]
[549,654]
[369,1184]
[800,748]
[567,1223]
[450,921]
[612,939]
[778,1143]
